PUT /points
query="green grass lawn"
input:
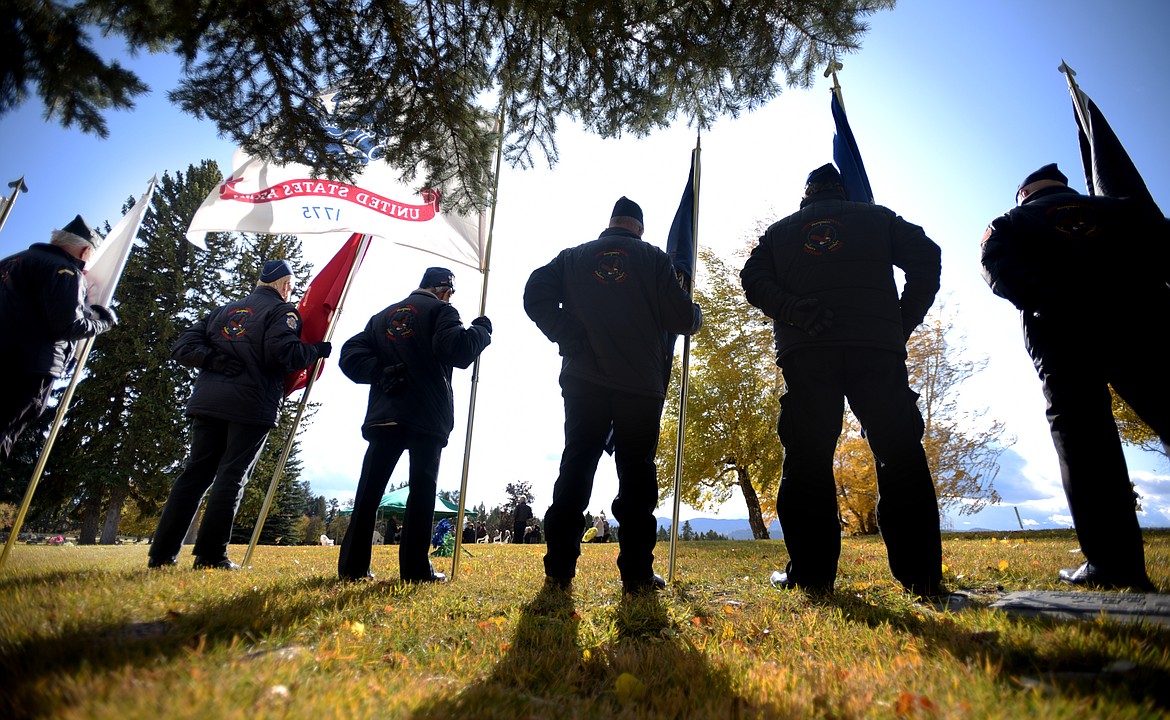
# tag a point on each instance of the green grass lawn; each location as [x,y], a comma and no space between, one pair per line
[89,632]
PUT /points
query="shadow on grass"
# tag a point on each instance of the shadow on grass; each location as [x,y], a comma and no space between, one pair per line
[29,667]
[645,670]
[1041,657]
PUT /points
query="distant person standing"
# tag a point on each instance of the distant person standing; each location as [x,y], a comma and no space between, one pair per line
[520,517]
[392,529]
[43,313]
[243,350]
[406,354]
[825,275]
[609,304]
[1090,277]
[601,525]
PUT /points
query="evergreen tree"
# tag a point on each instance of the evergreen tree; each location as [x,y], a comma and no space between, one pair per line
[417,71]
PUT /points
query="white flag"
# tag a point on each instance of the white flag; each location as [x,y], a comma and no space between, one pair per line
[105,267]
[263,197]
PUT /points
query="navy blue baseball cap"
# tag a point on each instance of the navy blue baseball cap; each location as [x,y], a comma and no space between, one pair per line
[437,277]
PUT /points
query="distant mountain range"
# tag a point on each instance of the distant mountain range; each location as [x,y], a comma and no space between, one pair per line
[739,529]
[733,529]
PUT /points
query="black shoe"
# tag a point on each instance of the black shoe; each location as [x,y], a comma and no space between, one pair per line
[224,564]
[943,600]
[556,583]
[652,585]
[155,563]
[435,577]
[1089,575]
[781,580]
[368,577]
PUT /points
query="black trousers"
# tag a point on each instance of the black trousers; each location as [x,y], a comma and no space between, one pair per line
[590,411]
[223,454]
[1076,376]
[22,402]
[387,444]
[811,413]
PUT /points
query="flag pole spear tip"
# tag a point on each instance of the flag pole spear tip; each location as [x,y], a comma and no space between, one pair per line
[1064,68]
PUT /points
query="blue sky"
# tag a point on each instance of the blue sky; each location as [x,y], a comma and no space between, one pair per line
[952,105]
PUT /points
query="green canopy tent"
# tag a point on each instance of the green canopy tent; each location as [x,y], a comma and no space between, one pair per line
[395,502]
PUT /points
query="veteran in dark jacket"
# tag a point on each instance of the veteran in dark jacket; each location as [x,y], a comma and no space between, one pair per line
[406,354]
[1090,277]
[43,314]
[243,350]
[609,304]
[825,275]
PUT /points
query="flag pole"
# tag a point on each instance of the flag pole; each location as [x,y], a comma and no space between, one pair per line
[58,420]
[1075,91]
[18,187]
[304,401]
[686,363]
[831,71]
[487,259]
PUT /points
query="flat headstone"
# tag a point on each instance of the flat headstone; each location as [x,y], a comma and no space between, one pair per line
[1079,605]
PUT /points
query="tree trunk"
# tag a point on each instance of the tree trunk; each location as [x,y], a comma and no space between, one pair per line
[755,517]
[114,515]
[90,517]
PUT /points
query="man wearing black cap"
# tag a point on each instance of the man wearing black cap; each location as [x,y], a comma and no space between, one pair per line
[825,275]
[43,313]
[1089,276]
[608,305]
[243,350]
[406,354]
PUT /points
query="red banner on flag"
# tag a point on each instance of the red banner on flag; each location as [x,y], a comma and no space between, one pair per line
[321,299]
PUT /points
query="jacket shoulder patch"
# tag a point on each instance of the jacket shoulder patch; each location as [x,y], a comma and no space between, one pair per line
[292,320]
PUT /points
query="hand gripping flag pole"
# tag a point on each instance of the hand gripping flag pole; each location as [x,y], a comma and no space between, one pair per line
[104,273]
[683,247]
[486,269]
[353,253]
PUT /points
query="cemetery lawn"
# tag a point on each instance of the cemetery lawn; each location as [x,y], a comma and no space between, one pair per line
[90,632]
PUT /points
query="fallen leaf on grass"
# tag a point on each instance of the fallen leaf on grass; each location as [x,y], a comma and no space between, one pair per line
[628,688]
[908,704]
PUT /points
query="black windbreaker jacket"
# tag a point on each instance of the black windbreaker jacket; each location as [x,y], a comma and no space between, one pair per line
[425,334]
[264,333]
[843,254]
[610,304]
[43,309]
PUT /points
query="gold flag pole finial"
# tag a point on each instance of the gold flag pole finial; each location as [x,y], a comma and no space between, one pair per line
[1075,91]
[831,71]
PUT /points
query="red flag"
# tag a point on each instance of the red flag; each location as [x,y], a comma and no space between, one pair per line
[321,299]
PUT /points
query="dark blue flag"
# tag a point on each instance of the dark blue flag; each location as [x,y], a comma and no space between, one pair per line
[848,158]
[1109,171]
[680,243]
